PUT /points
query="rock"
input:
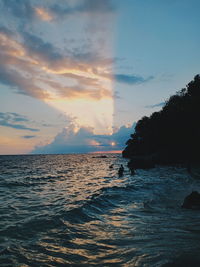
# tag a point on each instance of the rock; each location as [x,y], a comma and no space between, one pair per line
[141,163]
[192,201]
[101,157]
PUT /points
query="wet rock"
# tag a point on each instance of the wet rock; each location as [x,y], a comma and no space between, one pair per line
[141,163]
[192,201]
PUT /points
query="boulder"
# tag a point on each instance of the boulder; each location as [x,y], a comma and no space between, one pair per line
[192,201]
[141,163]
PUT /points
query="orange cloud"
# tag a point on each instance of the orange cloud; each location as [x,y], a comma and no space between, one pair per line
[43,14]
[44,74]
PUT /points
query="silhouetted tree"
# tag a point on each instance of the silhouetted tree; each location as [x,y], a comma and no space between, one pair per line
[172,134]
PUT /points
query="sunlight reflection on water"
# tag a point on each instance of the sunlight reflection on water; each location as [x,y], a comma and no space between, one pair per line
[74,210]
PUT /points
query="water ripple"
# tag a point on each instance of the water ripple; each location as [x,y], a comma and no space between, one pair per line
[73,210]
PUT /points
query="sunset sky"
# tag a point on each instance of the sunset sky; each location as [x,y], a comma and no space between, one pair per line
[75,75]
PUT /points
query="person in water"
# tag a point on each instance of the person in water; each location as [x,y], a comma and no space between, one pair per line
[121,170]
[132,171]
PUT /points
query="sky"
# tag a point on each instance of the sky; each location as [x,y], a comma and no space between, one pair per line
[76,75]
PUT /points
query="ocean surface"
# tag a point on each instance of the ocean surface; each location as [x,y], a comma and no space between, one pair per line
[73,210]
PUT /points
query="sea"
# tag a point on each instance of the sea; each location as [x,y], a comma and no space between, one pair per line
[75,210]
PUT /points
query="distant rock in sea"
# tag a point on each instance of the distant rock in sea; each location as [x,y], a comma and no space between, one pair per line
[101,157]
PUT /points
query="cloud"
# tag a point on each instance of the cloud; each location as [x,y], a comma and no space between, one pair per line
[131,79]
[116,95]
[83,7]
[19,8]
[37,69]
[6,31]
[43,14]
[28,136]
[25,86]
[161,104]
[29,10]
[10,119]
[37,48]
[99,6]
[83,140]
[121,136]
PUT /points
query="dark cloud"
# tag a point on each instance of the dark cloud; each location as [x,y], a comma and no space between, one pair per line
[28,10]
[99,6]
[28,136]
[82,56]
[6,31]
[84,140]
[14,116]
[161,104]
[87,55]
[10,119]
[48,125]
[131,79]
[19,8]
[116,95]
[23,85]
[36,46]
[84,6]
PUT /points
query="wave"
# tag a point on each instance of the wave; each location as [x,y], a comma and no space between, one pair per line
[77,212]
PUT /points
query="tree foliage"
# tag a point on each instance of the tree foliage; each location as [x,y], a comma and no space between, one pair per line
[173,133]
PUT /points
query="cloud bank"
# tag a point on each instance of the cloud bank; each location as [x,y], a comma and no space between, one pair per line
[83,140]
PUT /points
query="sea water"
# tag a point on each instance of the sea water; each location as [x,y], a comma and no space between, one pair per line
[74,210]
